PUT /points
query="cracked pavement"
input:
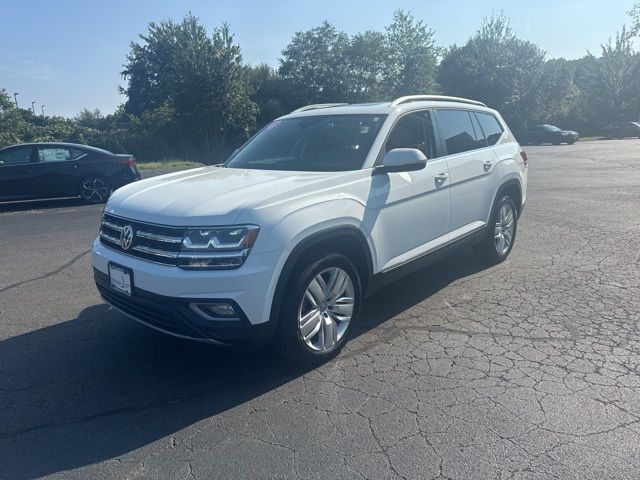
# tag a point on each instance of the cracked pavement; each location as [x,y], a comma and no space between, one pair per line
[525,370]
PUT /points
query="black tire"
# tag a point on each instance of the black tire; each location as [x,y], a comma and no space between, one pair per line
[486,251]
[571,142]
[94,189]
[288,338]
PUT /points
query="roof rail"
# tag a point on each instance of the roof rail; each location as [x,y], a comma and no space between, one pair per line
[433,98]
[319,105]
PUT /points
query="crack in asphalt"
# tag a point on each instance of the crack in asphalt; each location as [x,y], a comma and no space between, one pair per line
[48,274]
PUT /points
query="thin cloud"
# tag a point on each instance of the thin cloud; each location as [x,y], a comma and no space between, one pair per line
[26,67]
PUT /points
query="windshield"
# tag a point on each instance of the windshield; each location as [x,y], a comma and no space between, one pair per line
[320,143]
[551,128]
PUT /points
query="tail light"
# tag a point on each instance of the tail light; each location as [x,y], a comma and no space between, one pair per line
[130,162]
[524,158]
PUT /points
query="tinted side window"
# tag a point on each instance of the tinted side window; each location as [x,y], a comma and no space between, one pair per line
[490,126]
[54,154]
[457,130]
[479,136]
[77,154]
[16,156]
[414,130]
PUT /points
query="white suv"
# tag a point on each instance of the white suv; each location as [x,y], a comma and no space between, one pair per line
[315,212]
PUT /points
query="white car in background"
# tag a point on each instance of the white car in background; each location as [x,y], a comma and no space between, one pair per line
[315,212]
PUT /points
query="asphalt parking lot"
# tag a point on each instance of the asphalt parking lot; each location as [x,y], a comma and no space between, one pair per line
[530,369]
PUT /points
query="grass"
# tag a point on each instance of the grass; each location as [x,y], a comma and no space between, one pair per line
[590,139]
[169,165]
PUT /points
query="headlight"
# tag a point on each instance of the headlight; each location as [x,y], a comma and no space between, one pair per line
[216,247]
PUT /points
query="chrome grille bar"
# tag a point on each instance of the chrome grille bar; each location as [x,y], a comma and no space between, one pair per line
[112,226]
[109,238]
[157,237]
[155,252]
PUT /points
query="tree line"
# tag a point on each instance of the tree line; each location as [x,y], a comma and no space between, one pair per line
[189,95]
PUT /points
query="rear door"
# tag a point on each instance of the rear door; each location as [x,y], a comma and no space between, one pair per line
[409,212]
[57,170]
[17,173]
[472,169]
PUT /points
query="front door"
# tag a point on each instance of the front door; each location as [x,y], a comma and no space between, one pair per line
[17,173]
[409,211]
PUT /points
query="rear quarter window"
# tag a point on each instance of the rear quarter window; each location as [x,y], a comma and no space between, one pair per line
[490,126]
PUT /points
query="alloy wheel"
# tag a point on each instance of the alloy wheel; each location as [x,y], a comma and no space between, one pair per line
[326,309]
[94,190]
[504,229]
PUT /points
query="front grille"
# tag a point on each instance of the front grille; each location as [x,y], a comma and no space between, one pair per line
[152,242]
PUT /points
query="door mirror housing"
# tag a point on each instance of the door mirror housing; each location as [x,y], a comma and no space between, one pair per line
[402,160]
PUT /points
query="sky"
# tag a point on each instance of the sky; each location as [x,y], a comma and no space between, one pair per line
[68,55]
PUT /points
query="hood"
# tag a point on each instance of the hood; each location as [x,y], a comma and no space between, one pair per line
[204,196]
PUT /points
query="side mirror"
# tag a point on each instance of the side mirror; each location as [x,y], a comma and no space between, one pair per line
[402,160]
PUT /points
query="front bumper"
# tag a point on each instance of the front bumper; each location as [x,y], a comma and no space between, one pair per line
[175,317]
[162,296]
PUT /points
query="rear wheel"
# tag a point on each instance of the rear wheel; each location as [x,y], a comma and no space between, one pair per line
[501,233]
[322,304]
[94,190]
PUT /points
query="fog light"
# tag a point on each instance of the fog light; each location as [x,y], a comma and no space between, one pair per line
[215,310]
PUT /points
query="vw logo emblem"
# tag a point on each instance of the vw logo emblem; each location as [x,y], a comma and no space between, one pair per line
[126,237]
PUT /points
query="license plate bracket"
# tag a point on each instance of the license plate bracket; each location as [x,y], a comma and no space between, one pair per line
[121,278]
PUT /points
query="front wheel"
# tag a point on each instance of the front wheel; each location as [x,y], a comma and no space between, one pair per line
[94,190]
[501,233]
[322,304]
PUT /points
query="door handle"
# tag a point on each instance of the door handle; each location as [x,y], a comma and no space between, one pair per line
[487,164]
[440,178]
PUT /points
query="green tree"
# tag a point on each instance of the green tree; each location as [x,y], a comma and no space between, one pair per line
[411,57]
[10,123]
[89,118]
[496,67]
[178,69]
[366,57]
[270,93]
[609,83]
[634,13]
[326,65]
[6,103]
[556,97]
[314,65]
